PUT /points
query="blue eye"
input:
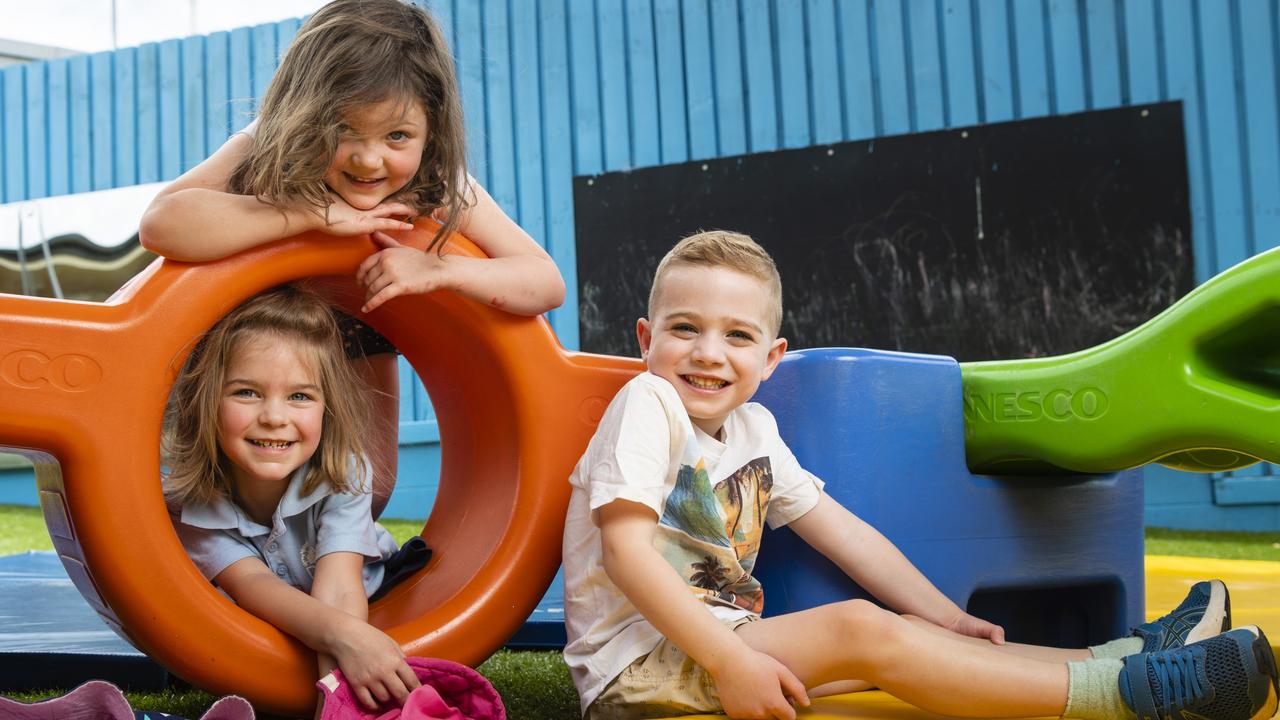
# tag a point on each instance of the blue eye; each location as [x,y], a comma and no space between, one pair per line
[300,397]
[398,136]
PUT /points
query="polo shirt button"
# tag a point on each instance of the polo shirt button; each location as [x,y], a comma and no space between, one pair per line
[281,571]
[273,547]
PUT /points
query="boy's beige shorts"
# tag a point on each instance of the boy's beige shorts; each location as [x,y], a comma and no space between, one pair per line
[664,683]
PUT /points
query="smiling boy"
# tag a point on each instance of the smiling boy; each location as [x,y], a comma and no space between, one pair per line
[668,504]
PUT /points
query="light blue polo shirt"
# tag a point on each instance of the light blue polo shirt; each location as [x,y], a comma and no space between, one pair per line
[303,529]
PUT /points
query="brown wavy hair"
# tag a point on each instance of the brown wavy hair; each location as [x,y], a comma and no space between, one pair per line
[348,55]
[199,471]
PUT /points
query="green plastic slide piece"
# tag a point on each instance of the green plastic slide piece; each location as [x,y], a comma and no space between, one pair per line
[1195,388]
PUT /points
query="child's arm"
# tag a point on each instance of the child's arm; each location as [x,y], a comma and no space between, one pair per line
[371,661]
[194,218]
[879,566]
[338,584]
[751,684]
[518,276]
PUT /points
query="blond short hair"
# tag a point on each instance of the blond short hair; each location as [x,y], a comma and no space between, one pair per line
[725,249]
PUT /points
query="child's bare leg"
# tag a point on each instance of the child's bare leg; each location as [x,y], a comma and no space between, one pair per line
[856,639]
[1038,652]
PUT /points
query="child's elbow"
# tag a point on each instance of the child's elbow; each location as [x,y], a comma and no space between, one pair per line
[153,230]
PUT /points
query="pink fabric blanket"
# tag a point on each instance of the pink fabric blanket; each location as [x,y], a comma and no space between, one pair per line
[98,700]
[449,692]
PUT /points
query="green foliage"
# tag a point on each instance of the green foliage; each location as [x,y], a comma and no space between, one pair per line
[1223,545]
[22,530]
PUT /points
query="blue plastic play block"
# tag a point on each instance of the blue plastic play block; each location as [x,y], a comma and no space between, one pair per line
[1055,559]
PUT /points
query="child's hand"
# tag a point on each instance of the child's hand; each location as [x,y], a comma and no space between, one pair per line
[758,687]
[372,663]
[966,624]
[345,220]
[398,270]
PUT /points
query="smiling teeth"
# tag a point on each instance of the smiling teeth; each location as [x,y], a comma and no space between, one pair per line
[273,444]
[705,383]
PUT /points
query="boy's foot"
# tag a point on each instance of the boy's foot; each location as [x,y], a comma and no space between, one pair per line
[1205,612]
[1231,676]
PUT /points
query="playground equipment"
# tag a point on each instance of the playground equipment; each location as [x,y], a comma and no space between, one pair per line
[1196,388]
[1056,560]
[82,392]
[83,386]
[1011,501]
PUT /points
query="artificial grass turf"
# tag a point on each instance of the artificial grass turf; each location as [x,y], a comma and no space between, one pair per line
[535,685]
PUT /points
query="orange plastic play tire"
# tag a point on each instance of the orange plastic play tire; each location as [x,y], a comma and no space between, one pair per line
[82,392]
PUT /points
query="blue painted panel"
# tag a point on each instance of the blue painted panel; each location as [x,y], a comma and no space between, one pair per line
[642,74]
[285,30]
[890,59]
[1258,63]
[193,103]
[730,105]
[960,53]
[101,134]
[59,128]
[828,121]
[37,124]
[1034,85]
[217,92]
[1105,76]
[499,131]
[611,45]
[861,109]
[996,62]
[469,52]
[1141,34]
[558,159]
[1180,77]
[925,61]
[124,134]
[13,155]
[672,108]
[170,97]
[700,91]
[1225,153]
[761,94]
[527,113]
[239,81]
[793,78]
[1066,39]
[81,111]
[265,58]
[588,143]
[148,79]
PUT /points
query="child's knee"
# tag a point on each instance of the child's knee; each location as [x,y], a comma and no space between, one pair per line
[862,621]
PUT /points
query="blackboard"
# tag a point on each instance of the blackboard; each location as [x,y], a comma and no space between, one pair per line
[1021,239]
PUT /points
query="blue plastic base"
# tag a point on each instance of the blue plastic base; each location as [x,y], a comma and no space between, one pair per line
[1056,560]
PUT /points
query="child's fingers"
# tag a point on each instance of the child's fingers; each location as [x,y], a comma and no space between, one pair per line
[408,677]
[394,209]
[365,698]
[379,297]
[383,240]
[792,687]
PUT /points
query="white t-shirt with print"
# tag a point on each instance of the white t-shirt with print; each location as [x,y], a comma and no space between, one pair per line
[711,498]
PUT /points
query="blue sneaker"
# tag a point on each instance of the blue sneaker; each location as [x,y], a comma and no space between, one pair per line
[1205,612]
[1231,676]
